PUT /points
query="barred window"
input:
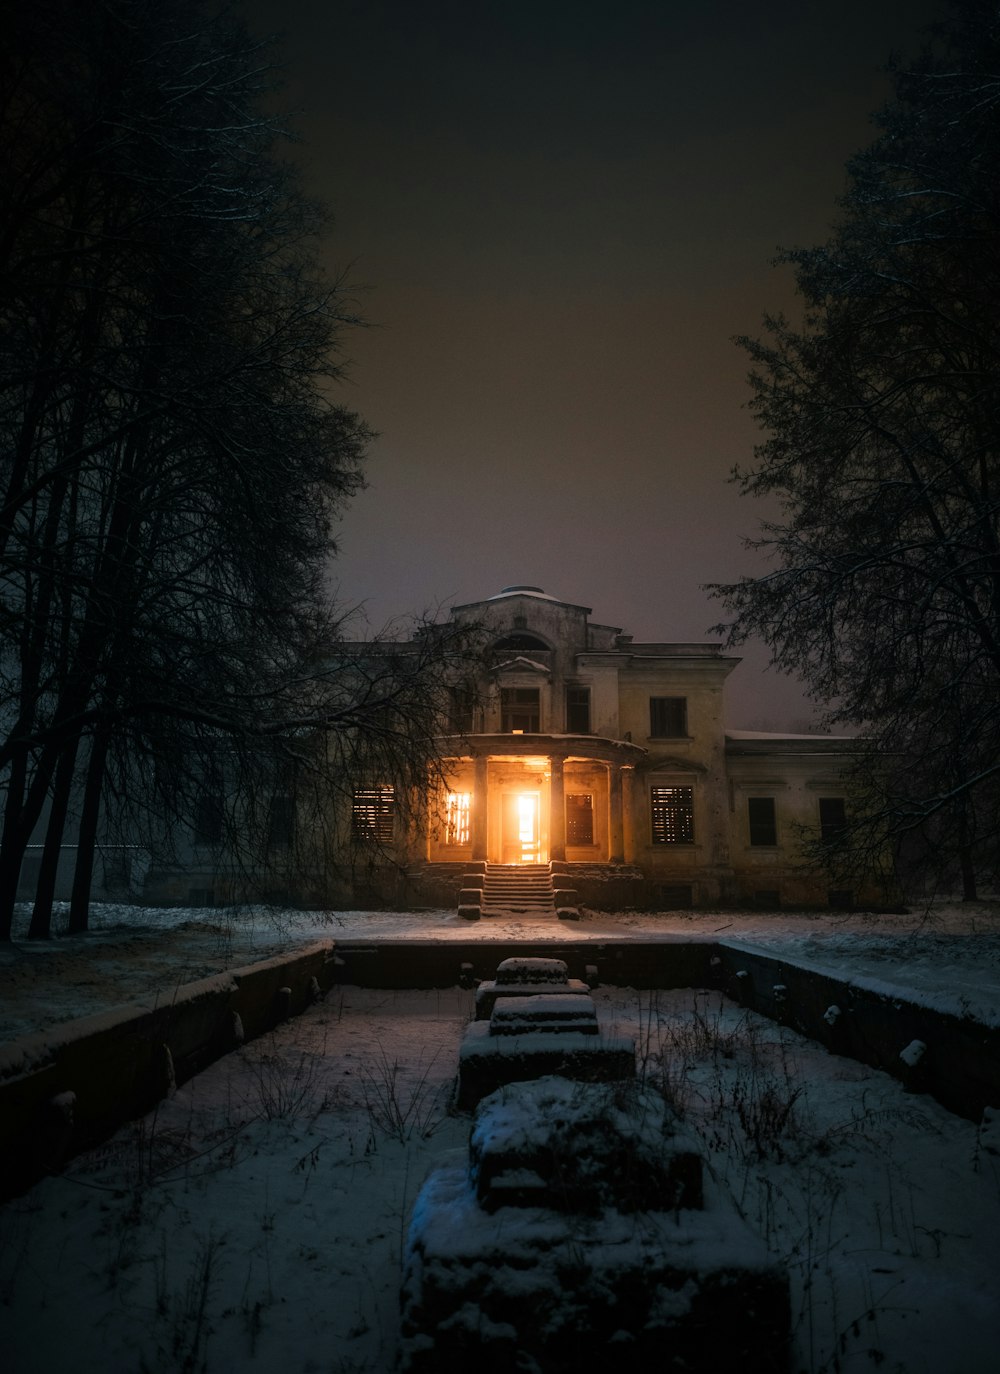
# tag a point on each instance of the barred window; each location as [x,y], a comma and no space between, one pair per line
[832,817]
[578,710]
[763,825]
[373,813]
[668,717]
[673,815]
[579,818]
[457,820]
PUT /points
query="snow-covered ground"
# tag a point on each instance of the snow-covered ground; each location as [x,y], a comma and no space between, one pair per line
[947,955]
[255,1222]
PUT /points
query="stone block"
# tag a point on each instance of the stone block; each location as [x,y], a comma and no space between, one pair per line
[559,1014]
[489,992]
[535,1289]
[582,1147]
[487,1062]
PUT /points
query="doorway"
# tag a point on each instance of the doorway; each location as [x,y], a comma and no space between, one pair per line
[521,838]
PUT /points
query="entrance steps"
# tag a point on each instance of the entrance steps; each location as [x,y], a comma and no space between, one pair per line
[518,889]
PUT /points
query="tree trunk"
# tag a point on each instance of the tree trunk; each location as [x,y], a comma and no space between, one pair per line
[62,787]
[83,875]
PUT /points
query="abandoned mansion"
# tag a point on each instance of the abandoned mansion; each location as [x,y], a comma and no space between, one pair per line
[602,759]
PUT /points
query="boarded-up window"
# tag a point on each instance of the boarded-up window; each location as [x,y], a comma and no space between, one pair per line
[673,815]
[763,826]
[832,817]
[373,814]
[579,818]
[578,710]
[519,709]
[668,717]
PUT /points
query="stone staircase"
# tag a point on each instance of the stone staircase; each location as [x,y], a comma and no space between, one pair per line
[519,889]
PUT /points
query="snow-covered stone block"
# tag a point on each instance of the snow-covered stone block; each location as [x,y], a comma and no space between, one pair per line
[528,969]
[542,1012]
[582,1146]
[534,1289]
[523,977]
[487,1062]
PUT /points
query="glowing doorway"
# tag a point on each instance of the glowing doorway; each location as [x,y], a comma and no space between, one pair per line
[522,828]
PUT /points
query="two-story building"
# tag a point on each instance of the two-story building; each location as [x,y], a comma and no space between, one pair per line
[584,746]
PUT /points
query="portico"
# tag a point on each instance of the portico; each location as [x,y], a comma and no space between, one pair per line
[520,798]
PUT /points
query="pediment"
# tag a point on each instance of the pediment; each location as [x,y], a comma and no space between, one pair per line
[520,664]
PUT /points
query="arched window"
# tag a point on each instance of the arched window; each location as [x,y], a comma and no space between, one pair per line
[520,641]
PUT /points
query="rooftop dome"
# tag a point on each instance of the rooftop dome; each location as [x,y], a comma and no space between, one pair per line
[522,589]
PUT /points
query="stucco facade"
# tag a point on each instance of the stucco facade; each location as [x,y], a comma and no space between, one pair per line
[587,747]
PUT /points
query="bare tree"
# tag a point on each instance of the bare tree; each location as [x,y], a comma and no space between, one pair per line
[173,456]
[882,416]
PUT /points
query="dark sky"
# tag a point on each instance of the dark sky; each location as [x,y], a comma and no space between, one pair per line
[561,213]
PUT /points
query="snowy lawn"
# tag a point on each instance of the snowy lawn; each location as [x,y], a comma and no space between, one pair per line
[947,956]
[255,1222]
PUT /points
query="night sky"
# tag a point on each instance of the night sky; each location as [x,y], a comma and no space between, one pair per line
[558,215]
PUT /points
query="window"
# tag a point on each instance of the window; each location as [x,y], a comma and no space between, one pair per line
[579,818]
[519,709]
[280,822]
[373,814]
[763,827]
[578,710]
[519,641]
[673,815]
[208,817]
[832,817]
[461,701]
[457,821]
[668,717]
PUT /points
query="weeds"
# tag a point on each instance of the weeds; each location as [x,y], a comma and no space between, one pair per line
[396,1110]
[282,1087]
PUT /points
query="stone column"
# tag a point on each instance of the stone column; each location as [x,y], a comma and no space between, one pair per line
[616,837]
[479,818]
[628,813]
[557,811]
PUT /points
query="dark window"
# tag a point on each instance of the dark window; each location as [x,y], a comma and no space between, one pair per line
[668,717]
[208,817]
[832,817]
[579,818]
[519,641]
[840,899]
[519,709]
[373,814]
[461,700]
[673,815]
[763,827]
[280,822]
[578,710]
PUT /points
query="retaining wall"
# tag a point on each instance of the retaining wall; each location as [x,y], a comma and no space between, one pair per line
[72,1086]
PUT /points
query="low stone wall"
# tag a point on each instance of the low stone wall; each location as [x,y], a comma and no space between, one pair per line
[959,1064]
[72,1086]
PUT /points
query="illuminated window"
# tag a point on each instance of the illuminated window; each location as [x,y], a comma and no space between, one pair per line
[763,825]
[673,815]
[578,710]
[519,709]
[373,813]
[579,818]
[668,717]
[457,824]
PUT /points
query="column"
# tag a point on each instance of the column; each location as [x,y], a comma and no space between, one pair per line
[479,818]
[557,811]
[616,828]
